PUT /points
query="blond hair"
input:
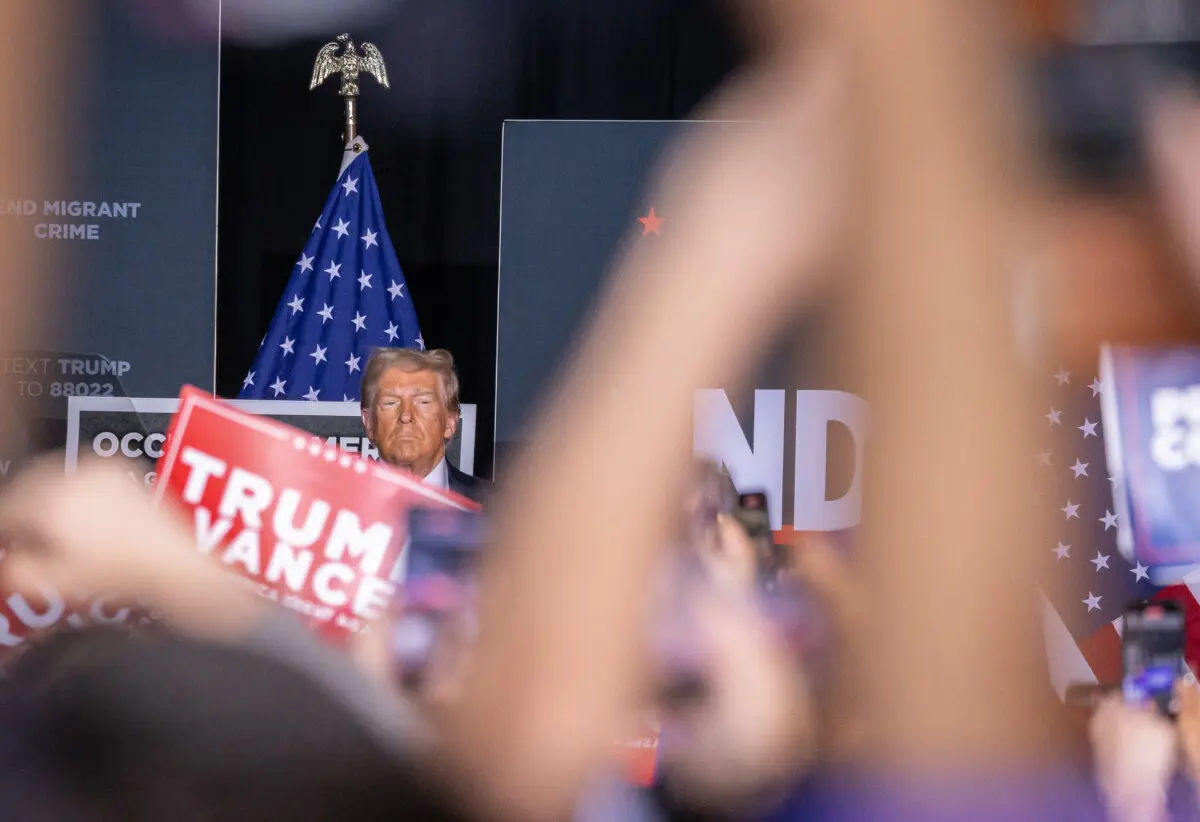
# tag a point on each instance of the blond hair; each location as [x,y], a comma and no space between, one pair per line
[439,361]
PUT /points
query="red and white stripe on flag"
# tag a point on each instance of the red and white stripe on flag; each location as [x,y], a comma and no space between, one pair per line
[1097,657]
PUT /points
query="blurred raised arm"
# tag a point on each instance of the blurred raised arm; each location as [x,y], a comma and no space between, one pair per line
[948,530]
[754,211]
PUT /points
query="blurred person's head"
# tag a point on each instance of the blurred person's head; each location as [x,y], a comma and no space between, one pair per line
[410,406]
[151,729]
[1122,262]
[46,659]
[1116,275]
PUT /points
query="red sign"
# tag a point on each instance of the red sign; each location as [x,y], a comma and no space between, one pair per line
[316,529]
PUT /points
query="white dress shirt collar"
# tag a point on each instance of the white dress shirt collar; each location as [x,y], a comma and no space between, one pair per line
[439,477]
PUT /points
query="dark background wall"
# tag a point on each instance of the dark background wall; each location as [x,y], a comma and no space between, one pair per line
[458,69]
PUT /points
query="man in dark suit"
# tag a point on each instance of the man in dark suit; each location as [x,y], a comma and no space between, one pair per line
[410,408]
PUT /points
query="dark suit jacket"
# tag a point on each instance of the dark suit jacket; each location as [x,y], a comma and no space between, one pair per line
[465,485]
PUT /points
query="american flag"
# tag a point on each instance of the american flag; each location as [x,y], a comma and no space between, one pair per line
[346,296]
[1090,583]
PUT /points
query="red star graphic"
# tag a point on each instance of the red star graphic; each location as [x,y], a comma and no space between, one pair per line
[651,223]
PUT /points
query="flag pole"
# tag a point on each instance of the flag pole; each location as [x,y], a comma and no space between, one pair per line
[351,118]
[344,299]
[349,64]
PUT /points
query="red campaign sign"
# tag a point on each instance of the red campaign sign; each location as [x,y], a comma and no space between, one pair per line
[311,527]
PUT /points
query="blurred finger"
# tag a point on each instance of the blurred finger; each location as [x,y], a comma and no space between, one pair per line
[736,562]
[371,651]
[1188,695]
[760,715]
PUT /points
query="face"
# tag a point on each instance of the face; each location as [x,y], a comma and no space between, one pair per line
[409,422]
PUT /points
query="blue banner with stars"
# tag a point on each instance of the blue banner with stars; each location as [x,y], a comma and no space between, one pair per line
[346,296]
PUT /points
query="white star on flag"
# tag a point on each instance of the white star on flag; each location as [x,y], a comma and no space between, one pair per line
[351,186]
[360,321]
[326,313]
[1080,469]
[1044,458]
[249,381]
[392,331]
[312,394]
[305,263]
[318,225]
[1088,428]
[1062,551]
[352,364]
[287,344]
[1092,601]
[334,270]
[396,289]
[1140,571]
[1055,416]
[420,341]
[279,386]
[1101,561]
[1109,519]
[318,354]
[342,228]
[369,239]
[297,304]
[1096,386]
[1063,376]
[364,281]
[1071,510]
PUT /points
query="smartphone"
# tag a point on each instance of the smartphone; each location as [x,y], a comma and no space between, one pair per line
[1152,649]
[439,587]
[770,559]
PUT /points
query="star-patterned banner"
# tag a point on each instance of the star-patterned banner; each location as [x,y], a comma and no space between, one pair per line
[1093,576]
[318,354]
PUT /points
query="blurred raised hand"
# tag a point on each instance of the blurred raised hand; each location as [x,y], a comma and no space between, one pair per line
[830,577]
[755,206]
[93,532]
[86,532]
[1134,748]
[753,732]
